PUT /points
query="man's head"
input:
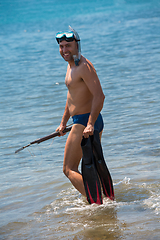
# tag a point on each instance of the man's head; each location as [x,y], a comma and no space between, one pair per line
[68,37]
[68,49]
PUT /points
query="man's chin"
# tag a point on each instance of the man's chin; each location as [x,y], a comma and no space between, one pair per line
[68,58]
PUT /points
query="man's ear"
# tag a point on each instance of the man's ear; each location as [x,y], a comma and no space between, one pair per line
[77,45]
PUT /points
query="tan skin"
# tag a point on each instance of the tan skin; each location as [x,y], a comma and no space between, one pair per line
[85,95]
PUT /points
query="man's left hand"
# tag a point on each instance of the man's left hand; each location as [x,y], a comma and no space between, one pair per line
[88,131]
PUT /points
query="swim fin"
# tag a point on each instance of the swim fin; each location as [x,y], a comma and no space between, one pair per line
[90,177]
[101,167]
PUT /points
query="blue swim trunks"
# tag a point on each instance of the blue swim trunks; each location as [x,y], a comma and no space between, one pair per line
[83,120]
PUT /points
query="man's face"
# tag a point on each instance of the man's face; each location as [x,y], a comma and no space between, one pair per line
[68,49]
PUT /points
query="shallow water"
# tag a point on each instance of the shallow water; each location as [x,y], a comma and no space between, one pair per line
[121,38]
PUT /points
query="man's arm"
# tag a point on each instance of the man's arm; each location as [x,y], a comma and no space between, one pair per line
[91,79]
[65,118]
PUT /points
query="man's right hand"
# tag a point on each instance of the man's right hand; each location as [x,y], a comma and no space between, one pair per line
[60,129]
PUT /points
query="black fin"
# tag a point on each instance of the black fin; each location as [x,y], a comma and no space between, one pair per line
[101,167]
[89,173]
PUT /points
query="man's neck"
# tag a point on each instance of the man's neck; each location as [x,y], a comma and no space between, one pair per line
[72,63]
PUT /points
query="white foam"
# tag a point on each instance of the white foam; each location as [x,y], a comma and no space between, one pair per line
[126,180]
[153,202]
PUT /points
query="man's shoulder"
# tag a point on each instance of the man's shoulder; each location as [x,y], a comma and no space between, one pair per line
[85,63]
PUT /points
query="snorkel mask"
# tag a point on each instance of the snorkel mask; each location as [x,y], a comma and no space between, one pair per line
[69,37]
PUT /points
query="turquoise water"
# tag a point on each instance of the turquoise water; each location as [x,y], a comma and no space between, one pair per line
[122,40]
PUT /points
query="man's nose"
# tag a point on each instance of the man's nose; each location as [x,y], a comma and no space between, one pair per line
[64,49]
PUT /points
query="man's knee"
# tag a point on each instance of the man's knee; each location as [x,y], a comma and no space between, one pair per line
[66,171]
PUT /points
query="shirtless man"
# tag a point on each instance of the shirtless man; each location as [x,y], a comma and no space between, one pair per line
[84,102]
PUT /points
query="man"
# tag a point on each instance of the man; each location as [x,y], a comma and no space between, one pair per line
[84,102]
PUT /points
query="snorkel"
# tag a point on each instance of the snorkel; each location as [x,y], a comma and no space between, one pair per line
[70,36]
[76,57]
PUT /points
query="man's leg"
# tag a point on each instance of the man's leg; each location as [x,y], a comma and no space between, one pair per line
[72,157]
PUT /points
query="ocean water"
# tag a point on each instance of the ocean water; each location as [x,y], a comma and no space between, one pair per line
[122,39]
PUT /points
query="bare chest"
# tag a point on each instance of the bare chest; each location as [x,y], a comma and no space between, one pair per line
[72,78]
